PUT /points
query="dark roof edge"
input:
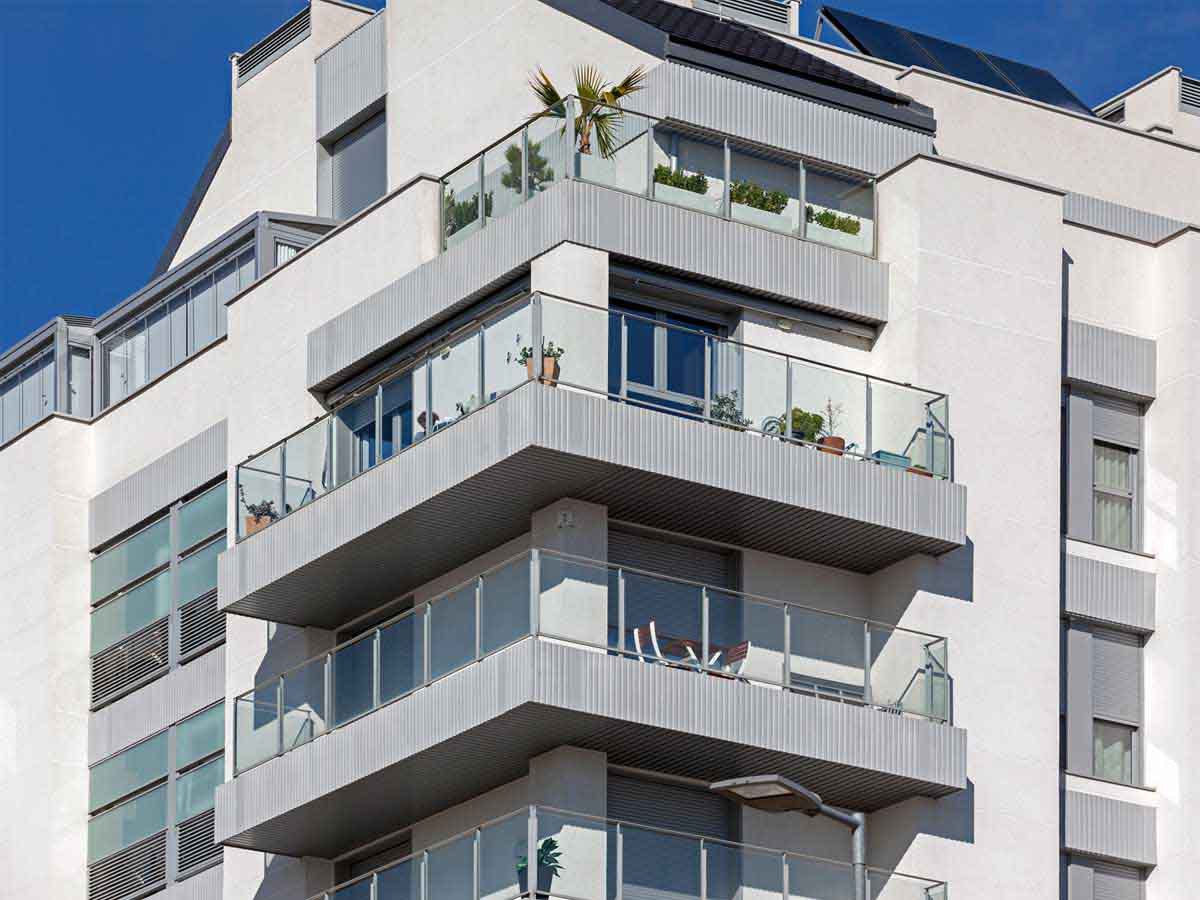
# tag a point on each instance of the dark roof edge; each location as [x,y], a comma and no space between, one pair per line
[915,116]
[193,203]
[612,21]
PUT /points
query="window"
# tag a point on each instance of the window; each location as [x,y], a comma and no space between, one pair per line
[146,588]
[1114,478]
[131,814]
[358,164]
[1116,705]
[179,326]
[27,396]
[664,357]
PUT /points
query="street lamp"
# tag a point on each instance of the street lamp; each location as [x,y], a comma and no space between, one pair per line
[774,793]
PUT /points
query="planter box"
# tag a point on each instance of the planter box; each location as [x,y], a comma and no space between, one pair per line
[779,221]
[895,460]
[860,243]
[690,199]
[549,369]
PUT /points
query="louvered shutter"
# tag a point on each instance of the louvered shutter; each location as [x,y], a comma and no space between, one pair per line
[1117,675]
[359,168]
[677,560]
[672,807]
[1113,882]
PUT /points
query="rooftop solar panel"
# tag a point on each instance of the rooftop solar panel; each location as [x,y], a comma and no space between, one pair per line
[911,48]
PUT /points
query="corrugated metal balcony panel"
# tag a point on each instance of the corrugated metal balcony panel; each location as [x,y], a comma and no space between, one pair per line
[1110,829]
[352,74]
[800,273]
[400,524]
[1107,592]
[480,726]
[1111,359]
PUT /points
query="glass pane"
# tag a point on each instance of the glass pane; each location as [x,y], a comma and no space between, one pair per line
[571,854]
[460,202]
[131,612]
[203,516]
[246,267]
[639,329]
[354,429]
[179,327]
[397,424]
[839,210]
[1112,468]
[899,424]
[504,605]
[304,704]
[258,491]
[574,600]
[354,679]
[827,654]
[79,397]
[360,890]
[765,192]
[135,344]
[10,407]
[131,559]
[737,872]
[127,824]
[198,572]
[402,655]
[618,145]
[452,630]
[549,154]
[501,848]
[451,870]
[745,636]
[159,340]
[1113,520]
[907,672]
[307,459]
[659,866]
[1113,751]
[204,313]
[688,172]
[128,771]
[504,337]
[400,882]
[502,177]
[685,356]
[663,619]
[749,387]
[818,879]
[256,725]
[829,407]
[571,336]
[197,790]
[116,355]
[202,734]
[454,371]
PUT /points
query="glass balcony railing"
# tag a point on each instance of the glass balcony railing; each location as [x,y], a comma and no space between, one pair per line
[667,363]
[662,160]
[628,612]
[589,858]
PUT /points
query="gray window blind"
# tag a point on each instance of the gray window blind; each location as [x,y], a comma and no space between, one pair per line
[1113,882]
[671,806]
[1116,420]
[359,167]
[1117,675]
[713,567]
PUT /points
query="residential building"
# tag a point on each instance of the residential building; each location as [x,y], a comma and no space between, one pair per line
[469,491]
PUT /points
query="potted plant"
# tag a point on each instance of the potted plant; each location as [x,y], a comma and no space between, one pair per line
[550,357]
[548,866]
[599,105]
[458,214]
[726,412]
[829,440]
[689,189]
[806,426]
[828,227]
[260,514]
[758,206]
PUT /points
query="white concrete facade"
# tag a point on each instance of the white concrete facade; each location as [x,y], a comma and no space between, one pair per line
[983,275]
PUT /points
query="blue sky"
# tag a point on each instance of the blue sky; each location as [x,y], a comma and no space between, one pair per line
[110,109]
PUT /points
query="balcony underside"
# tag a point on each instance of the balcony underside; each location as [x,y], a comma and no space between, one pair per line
[477,728]
[474,485]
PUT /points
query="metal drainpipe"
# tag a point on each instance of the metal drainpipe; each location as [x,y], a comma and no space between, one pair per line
[857,823]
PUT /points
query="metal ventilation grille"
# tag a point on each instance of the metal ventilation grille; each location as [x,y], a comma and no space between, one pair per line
[1189,92]
[132,870]
[129,662]
[200,624]
[771,14]
[273,46]
[196,845]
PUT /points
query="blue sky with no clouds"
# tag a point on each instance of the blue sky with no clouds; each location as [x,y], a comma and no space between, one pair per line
[110,109]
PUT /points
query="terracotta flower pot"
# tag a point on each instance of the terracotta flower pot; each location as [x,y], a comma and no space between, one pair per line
[255,523]
[831,444]
[917,470]
[549,369]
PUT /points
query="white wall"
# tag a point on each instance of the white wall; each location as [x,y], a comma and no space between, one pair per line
[45,478]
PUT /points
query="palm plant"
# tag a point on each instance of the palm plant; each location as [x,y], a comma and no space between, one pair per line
[599,104]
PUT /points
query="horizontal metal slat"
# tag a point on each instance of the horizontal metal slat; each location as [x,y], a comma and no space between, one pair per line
[1189,91]
[196,845]
[130,661]
[133,869]
[200,623]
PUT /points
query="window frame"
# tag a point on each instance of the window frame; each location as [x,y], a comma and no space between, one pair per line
[1135,749]
[1132,495]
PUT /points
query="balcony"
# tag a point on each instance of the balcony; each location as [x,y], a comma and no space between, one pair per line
[590,858]
[666,161]
[547,649]
[667,423]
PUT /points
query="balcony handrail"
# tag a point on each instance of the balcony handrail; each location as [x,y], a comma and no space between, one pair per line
[451,336]
[531,814]
[327,717]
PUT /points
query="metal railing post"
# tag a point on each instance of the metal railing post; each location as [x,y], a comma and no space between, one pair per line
[569,124]
[803,201]
[535,590]
[375,886]
[703,870]
[482,203]
[282,494]
[787,651]
[620,886]
[624,358]
[787,394]
[424,887]
[621,610]
[279,715]
[475,865]
[650,159]
[538,337]
[708,389]
[867,443]
[478,616]
[427,642]
[377,670]
[867,663]
[726,200]
[330,712]
[929,439]
[531,854]
[783,876]
[874,218]
[525,192]
[704,628]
